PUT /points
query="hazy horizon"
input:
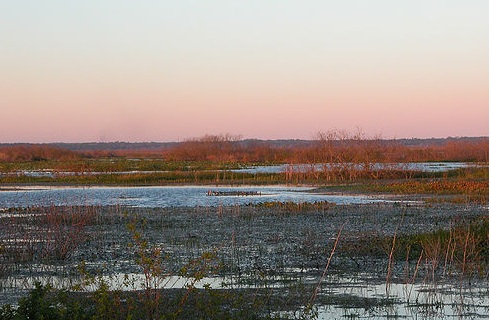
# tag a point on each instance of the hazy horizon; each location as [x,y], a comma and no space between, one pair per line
[240,139]
[91,71]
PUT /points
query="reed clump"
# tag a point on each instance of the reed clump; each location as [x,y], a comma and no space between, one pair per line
[458,254]
[290,206]
[44,234]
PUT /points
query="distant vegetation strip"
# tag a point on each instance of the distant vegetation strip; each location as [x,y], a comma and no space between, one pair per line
[327,147]
[214,160]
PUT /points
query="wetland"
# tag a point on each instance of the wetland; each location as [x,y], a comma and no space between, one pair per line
[257,247]
[216,241]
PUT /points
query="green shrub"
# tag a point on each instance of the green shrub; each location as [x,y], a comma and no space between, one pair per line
[44,303]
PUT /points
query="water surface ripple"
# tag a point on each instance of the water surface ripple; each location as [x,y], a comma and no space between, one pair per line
[167,196]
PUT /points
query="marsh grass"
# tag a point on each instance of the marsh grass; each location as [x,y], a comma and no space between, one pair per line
[457,186]
[470,183]
[461,251]
[114,164]
[196,177]
[272,257]
[94,296]
[44,234]
[458,255]
[289,207]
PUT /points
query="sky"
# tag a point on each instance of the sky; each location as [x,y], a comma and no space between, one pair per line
[121,70]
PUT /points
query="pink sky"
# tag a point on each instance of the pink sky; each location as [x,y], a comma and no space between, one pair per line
[255,69]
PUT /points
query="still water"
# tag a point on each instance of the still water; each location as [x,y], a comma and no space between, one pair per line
[353,297]
[319,167]
[166,196]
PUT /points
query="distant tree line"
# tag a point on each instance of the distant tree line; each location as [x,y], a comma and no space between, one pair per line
[36,152]
[327,147]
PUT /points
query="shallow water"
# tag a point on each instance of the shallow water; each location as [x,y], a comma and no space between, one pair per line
[319,167]
[359,298]
[351,297]
[163,197]
[302,167]
[342,297]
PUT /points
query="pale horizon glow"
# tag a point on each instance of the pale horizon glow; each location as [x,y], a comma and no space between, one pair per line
[121,70]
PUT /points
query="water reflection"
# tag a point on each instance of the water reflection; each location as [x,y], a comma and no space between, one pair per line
[355,297]
[341,297]
[303,167]
[183,196]
[319,167]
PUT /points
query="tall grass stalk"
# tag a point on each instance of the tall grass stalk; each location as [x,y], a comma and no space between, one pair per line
[464,255]
[447,252]
[390,264]
[413,279]
[324,273]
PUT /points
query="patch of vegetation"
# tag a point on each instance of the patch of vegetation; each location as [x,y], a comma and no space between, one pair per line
[291,206]
[114,164]
[347,158]
[44,302]
[456,186]
[462,250]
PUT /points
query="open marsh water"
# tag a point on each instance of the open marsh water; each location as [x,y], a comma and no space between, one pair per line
[409,166]
[302,167]
[186,221]
[341,297]
[164,197]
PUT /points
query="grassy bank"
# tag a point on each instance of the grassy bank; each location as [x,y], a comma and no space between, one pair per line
[459,186]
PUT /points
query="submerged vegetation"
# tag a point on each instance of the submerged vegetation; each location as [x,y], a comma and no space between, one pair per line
[265,261]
